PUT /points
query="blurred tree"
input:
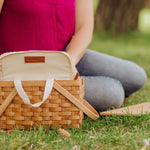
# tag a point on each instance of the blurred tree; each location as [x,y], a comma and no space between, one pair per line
[147,3]
[118,16]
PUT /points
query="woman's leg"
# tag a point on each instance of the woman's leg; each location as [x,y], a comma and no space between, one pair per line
[103,92]
[131,76]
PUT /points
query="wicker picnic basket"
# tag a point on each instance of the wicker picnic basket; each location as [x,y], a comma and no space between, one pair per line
[23,86]
[56,111]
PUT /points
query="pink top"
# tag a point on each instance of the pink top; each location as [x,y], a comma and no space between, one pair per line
[36,25]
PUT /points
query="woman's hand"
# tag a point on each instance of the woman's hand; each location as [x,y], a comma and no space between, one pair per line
[84,21]
[1,5]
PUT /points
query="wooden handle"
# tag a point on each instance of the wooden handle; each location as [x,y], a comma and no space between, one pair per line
[7,101]
[85,106]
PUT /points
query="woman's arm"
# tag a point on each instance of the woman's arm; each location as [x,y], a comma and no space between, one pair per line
[1,5]
[83,30]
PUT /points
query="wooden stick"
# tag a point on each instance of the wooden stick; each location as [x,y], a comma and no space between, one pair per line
[7,101]
[85,107]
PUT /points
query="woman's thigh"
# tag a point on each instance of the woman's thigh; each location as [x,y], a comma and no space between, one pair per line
[132,76]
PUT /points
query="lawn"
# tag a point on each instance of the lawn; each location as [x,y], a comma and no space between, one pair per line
[107,133]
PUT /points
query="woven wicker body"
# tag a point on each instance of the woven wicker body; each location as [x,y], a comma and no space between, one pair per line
[56,111]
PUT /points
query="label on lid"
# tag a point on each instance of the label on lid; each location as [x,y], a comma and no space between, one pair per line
[34,59]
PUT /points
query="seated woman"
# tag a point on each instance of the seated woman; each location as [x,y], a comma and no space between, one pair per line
[57,24]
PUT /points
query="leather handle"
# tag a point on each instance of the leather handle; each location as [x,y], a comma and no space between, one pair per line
[85,106]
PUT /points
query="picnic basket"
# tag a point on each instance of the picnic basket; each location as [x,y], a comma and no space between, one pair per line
[64,107]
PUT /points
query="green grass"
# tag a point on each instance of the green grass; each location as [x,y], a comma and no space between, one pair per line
[107,133]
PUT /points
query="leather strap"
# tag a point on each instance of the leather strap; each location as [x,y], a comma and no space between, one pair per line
[76,76]
[85,106]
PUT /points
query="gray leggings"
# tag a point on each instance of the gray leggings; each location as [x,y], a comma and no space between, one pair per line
[109,79]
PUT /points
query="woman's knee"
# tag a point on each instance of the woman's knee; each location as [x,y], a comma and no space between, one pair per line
[136,79]
[103,93]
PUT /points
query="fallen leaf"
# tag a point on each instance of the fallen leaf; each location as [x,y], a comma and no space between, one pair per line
[63,133]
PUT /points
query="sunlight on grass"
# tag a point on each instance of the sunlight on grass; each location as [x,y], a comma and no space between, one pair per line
[144,21]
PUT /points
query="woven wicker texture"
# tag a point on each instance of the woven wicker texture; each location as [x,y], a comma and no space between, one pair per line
[135,110]
[56,111]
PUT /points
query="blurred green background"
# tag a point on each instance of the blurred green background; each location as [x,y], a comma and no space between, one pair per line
[133,45]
